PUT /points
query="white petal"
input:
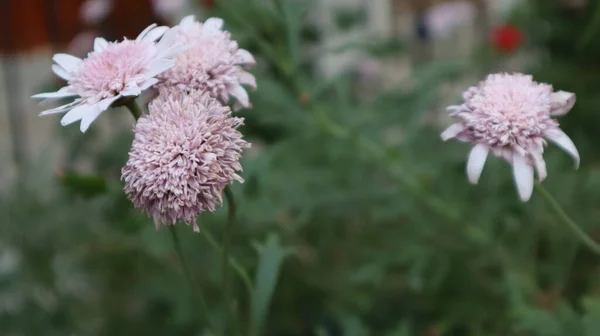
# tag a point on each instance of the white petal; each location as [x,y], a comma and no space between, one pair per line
[562,102]
[523,174]
[240,94]
[476,162]
[187,21]
[55,95]
[105,104]
[61,108]
[131,90]
[454,108]
[88,118]
[452,131]
[540,164]
[244,57]
[248,79]
[148,83]
[60,72]
[563,141]
[67,62]
[159,66]
[145,31]
[213,23]
[76,114]
[100,44]
[169,37]
[155,33]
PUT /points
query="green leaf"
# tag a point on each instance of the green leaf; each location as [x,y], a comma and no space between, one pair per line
[270,259]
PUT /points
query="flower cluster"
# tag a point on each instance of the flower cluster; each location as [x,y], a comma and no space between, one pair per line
[187,147]
[511,116]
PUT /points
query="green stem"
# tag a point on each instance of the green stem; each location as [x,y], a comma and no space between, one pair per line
[231,210]
[204,308]
[134,108]
[583,237]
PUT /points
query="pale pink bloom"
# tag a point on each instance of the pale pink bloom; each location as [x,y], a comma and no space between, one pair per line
[110,72]
[168,9]
[186,150]
[511,115]
[94,11]
[213,62]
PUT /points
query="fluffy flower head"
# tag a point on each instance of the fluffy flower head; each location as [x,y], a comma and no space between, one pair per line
[185,152]
[511,115]
[110,72]
[213,63]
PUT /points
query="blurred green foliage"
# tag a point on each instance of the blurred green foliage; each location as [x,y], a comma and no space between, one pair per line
[341,230]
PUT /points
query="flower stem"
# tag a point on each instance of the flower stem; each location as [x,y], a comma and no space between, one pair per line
[231,212]
[583,237]
[204,307]
[134,108]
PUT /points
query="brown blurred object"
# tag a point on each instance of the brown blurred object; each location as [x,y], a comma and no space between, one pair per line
[31,24]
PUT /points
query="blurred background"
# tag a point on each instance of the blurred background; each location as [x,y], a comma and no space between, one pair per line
[354,220]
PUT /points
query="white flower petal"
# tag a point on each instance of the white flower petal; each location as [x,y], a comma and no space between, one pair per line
[76,114]
[60,72]
[89,117]
[452,131]
[155,33]
[476,162]
[563,141]
[562,102]
[100,44]
[159,66]
[105,103]
[523,174]
[61,108]
[67,62]
[145,31]
[131,90]
[244,57]
[148,83]
[55,95]
[540,164]
[248,79]
[240,94]
[213,23]
[187,22]
[169,37]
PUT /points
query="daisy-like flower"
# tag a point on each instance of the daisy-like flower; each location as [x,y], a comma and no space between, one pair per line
[111,72]
[186,150]
[213,63]
[511,115]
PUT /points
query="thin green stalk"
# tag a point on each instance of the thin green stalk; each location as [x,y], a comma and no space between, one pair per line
[231,210]
[134,108]
[203,309]
[583,237]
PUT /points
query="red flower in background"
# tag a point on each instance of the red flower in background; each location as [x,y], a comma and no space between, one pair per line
[507,38]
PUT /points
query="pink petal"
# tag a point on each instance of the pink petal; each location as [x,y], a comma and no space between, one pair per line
[476,161]
[563,141]
[248,79]
[452,131]
[244,57]
[562,102]
[523,174]
[240,94]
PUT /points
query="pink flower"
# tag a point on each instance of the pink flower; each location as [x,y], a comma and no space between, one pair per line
[110,72]
[185,152]
[511,115]
[213,63]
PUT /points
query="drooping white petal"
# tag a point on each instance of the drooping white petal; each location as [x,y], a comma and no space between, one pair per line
[55,95]
[61,108]
[213,23]
[248,79]
[76,114]
[540,164]
[562,102]
[523,174]
[159,66]
[60,72]
[100,44]
[148,83]
[476,161]
[68,62]
[452,131]
[244,57]
[105,103]
[88,118]
[155,33]
[563,141]
[240,94]
[145,31]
